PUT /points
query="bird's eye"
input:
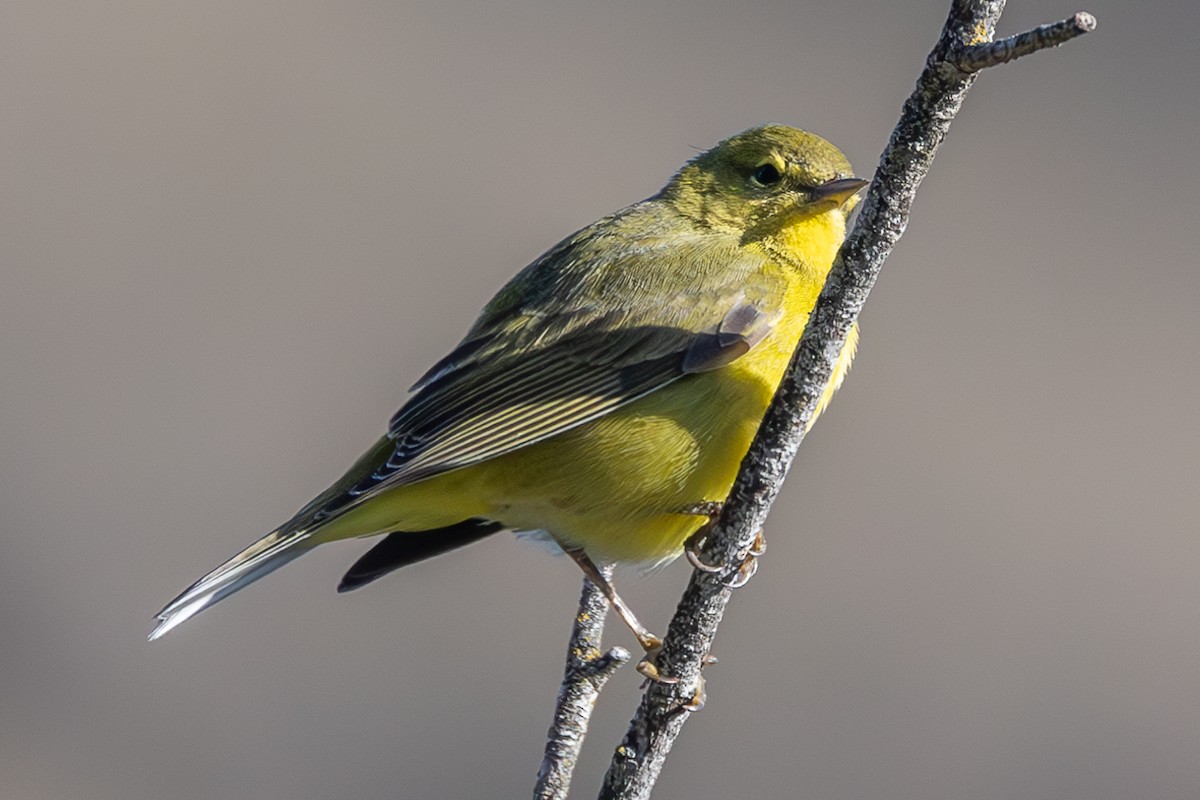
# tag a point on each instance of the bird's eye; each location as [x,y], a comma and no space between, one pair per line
[766,175]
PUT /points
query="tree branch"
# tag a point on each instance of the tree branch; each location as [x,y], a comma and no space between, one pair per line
[586,673]
[964,48]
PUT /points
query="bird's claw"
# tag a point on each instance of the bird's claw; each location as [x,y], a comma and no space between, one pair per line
[699,697]
[650,671]
[744,572]
[691,551]
[749,565]
[650,643]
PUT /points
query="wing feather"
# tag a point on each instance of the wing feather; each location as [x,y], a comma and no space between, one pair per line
[591,326]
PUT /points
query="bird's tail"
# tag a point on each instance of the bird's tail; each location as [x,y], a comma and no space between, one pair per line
[266,555]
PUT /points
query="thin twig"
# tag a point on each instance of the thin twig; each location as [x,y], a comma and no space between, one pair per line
[923,124]
[976,57]
[586,673]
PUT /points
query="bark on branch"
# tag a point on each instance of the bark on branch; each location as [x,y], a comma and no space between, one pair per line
[587,671]
[964,48]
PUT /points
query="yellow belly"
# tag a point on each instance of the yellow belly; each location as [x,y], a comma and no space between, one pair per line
[619,486]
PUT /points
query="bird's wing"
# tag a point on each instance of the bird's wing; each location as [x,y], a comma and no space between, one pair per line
[591,326]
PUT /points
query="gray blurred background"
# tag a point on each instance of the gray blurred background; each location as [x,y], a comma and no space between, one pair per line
[233,233]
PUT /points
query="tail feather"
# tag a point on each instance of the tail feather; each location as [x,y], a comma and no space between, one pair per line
[266,555]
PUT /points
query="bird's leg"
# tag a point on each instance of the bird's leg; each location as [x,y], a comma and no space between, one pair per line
[648,641]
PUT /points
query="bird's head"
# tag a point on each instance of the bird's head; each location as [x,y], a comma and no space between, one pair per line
[764,180]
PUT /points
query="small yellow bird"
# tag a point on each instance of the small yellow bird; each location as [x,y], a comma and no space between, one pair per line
[607,394]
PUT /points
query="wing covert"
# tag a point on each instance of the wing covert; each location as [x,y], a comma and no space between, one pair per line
[584,330]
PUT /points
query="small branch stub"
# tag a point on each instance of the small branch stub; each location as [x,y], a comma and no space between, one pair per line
[976,57]
[587,670]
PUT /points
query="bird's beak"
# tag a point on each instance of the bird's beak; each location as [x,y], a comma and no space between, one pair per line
[837,192]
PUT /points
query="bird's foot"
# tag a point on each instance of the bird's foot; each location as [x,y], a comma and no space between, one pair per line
[691,551]
[648,669]
[745,571]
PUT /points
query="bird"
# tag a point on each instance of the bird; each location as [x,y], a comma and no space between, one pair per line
[607,394]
